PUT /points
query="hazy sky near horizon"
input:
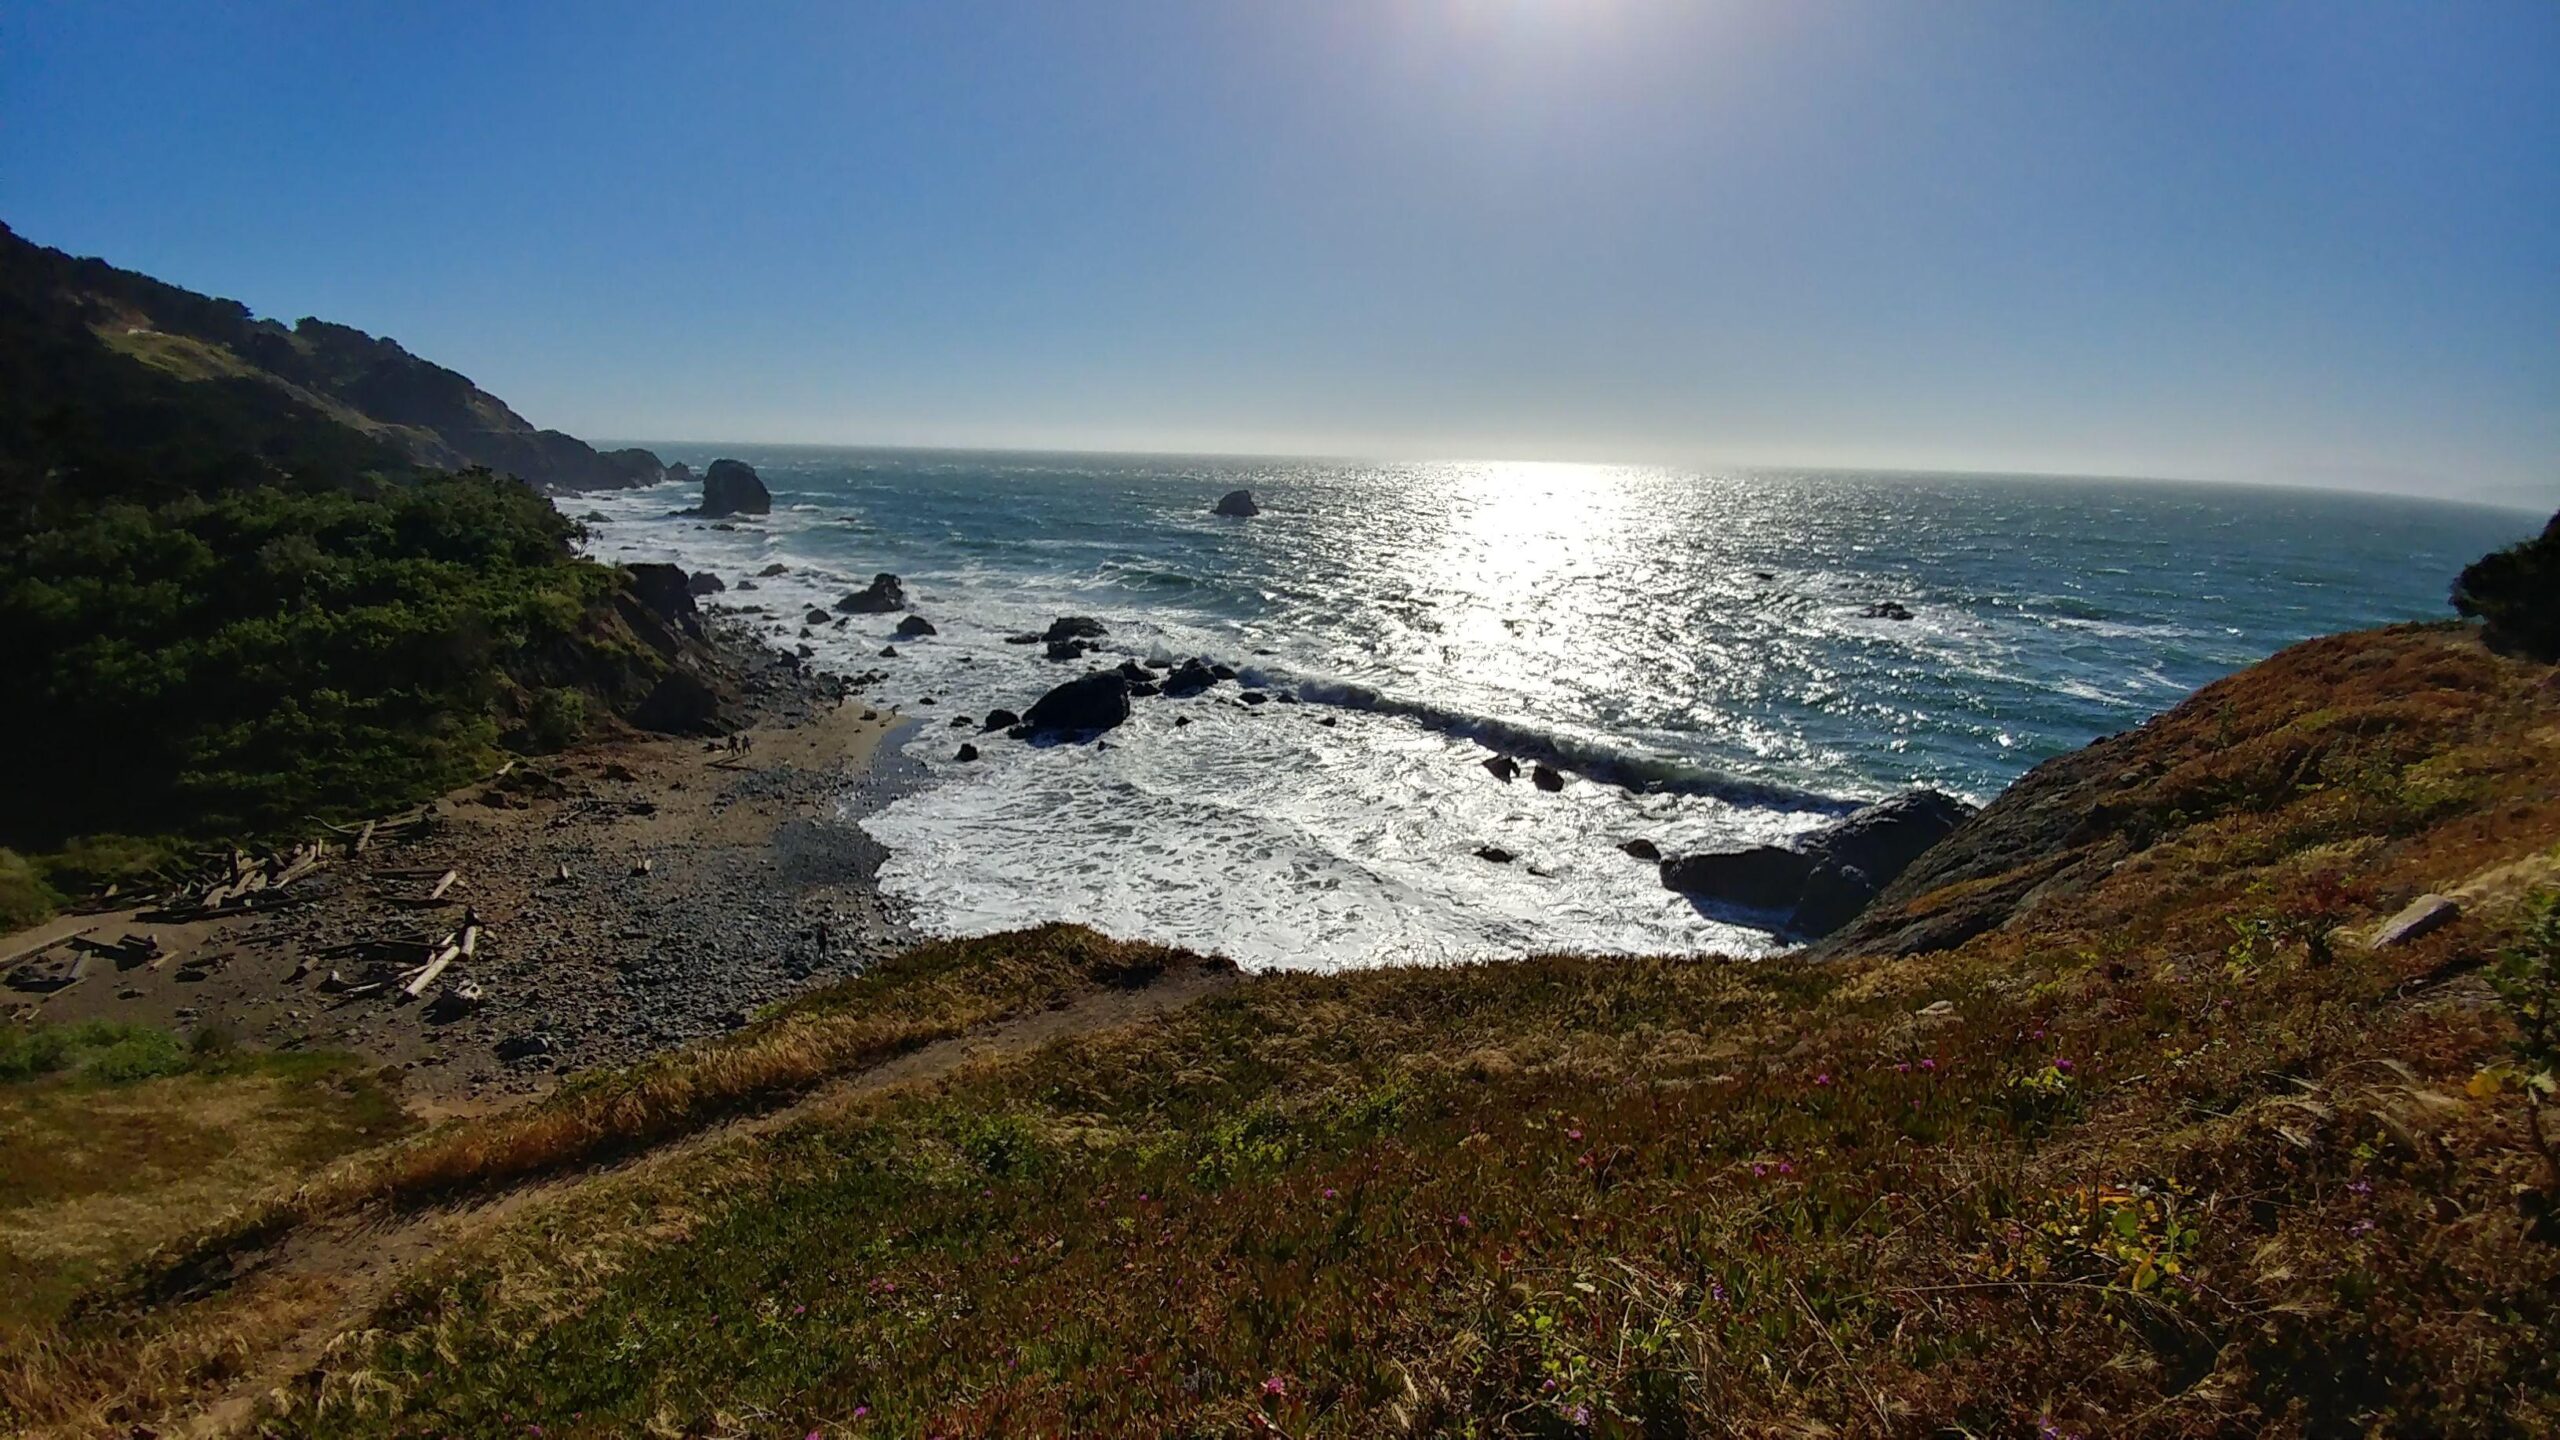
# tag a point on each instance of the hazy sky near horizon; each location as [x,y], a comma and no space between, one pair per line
[2307,243]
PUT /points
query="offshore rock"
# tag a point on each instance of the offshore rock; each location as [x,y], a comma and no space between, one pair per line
[881,596]
[1238,503]
[732,487]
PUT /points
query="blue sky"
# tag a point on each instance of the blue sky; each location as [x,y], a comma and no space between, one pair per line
[2313,243]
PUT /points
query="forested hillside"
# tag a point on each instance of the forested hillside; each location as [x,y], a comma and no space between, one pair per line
[232,595]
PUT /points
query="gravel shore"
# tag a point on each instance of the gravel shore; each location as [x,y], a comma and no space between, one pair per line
[633,894]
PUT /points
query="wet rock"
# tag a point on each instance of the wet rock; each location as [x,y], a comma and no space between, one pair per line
[888,652]
[1084,705]
[1145,687]
[1825,879]
[776,568]
[1886,610]
[1238,503]
[1027,637]
[1496,854]
[967,752]
[1190,680]
[1504,768]
[1074,627]
[746,585]
[914,627]
[1254,697]
[703,582]
[1068,649]
[959,721]
[1642,849]
[1181,720]
[1764,877]
[1545,777]
[999,719]
[1223,672]
[815,617]
[881,596]
[1133,672]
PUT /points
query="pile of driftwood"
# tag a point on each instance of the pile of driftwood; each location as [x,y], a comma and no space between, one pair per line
[238,883]
[405,970]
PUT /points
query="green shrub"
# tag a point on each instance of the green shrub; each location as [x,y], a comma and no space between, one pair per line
[107,1051]
[25,899]
[228,664]
[556,719]
[2511,592]
[138,1054]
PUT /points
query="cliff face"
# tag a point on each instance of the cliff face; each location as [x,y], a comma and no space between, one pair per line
[2375,736]
[424,414]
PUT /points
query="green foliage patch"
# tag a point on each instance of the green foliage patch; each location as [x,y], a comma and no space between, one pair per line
[227,665]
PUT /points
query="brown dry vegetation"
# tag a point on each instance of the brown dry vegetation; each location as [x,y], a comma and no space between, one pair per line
[2155,1150]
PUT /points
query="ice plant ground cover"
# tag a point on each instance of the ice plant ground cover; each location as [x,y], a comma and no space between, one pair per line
[2170,1152]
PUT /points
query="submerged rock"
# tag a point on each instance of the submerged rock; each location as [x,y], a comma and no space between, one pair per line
[732,487]
[1886,610]
[881,596]
[1238,503]
[1086,704]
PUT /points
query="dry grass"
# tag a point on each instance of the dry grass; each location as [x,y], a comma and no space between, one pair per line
[2159,1158]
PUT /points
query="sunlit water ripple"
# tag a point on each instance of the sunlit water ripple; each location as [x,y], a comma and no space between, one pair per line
[1697,637]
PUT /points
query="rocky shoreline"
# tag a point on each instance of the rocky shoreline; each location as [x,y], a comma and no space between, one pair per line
[632,895]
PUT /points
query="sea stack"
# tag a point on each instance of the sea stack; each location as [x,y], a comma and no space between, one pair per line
[731,487]
[1238,503]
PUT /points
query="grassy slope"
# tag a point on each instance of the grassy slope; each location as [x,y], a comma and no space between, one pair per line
[2142,1162]
[124,1140]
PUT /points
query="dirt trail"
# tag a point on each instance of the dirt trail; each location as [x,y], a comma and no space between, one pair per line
[358,1259]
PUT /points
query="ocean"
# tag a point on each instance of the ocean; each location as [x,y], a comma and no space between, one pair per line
[1698,651]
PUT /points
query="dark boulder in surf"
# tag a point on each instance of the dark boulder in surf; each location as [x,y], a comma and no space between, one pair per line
[1067,649]
[967,752]
[1237,503]
[915,626]
[816,617]
[732,487]
[1001,719]
[1886,610]
[1496,854]
[881,596]
[1134,673]
[1764,877]
[703,582]
[1188,681]
[1642,849]
[1087,704]
[776,568]
[1503,768]
[1546,777]
[1074,627]
[1825,879]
